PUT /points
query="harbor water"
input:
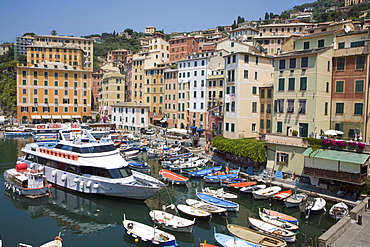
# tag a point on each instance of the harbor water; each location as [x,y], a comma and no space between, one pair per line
[88,220]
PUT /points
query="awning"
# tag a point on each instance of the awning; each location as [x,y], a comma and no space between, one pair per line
[157,118]
[66,117]
[56,116]
[350,157]
[46,116]
[35,117]
[76,116]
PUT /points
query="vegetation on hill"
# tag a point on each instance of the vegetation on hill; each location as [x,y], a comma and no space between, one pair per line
[8,85]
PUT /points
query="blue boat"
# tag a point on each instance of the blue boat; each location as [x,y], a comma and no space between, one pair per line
[139,166]
[204,172]
[221,177]
[231,206]
[230,241]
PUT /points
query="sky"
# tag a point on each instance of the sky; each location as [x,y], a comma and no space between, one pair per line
[84,17]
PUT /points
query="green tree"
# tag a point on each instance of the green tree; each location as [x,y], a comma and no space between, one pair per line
[267,16]
[54,32]
[129,31]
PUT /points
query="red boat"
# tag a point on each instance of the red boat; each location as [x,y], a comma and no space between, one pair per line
[282,195]
[241,184]
[281,216]
[174,178]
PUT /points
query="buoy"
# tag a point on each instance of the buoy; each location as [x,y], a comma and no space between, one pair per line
[76,180]
[64,177]
[53,173]
[136,240]
[96,185]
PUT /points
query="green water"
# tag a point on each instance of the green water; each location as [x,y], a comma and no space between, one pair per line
[88,220]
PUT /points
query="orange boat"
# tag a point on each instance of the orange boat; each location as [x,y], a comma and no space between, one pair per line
[174,178]
[282,195]
[281,216]
[206,245]
[242,184]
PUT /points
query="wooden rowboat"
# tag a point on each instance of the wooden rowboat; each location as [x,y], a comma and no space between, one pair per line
[148,234]
[206,207]
[255,237]
[282,195]
[271,229]
[281,216]
[242,184]
[193,211]
[171,222]
[266,193]
[283,224]
[174,178]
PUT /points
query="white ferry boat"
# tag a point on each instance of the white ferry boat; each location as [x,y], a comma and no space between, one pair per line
[93,167]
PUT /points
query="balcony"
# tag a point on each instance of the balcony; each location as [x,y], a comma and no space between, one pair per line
[218,114]
[333,175]
[351,51]
[286,140]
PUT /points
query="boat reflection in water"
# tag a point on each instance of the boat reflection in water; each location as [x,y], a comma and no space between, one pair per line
[79,213]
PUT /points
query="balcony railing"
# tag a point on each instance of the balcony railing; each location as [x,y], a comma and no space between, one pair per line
[342,176]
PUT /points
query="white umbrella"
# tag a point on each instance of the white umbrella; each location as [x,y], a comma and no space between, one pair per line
[331,133]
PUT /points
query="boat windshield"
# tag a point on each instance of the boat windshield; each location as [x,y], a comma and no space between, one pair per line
[120,173]
[87,150]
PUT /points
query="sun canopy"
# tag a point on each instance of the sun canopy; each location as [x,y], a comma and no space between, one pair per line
[179,131]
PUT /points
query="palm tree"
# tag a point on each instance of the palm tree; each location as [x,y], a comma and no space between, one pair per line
[53,32]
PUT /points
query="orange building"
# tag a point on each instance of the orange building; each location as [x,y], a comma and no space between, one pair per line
[52,92]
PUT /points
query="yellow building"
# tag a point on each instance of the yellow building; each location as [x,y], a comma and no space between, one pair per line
[112,92]
[52,91]
[65,42]
[70,56]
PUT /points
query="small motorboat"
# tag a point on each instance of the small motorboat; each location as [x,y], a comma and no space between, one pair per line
[139,166]
[273,220]
[271,229]
[280,216]
[338,210]
[282,195]
[266,193]
[255,237]
[252,188]
[230,241]
[25,181]
[206,207]
[294,200]
[148,234]
[205,172]
[172,177]
[177,161]
[188,165]
[171,222]
[176,156]
[242,184]
[231,206]
[130,154]
[193,211]
[219,193]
